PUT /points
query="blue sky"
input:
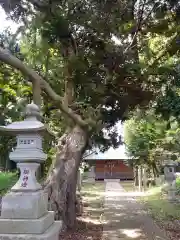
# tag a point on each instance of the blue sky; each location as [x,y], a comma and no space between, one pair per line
[111,153]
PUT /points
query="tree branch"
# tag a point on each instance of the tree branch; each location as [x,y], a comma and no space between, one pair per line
[138,25]
[89,154]
[38,4]
[164,51]
[8,58]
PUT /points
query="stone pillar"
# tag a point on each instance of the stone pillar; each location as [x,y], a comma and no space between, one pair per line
[136,181]
[140,178]
[91,175]
[170,179]
[24,213]
[79,181]
[144,173]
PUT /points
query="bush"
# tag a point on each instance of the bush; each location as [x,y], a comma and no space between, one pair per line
[178,182]
[178,185]
[7,180]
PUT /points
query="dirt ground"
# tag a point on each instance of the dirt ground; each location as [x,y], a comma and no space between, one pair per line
[89,225]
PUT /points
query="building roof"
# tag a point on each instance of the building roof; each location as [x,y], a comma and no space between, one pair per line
[111,154]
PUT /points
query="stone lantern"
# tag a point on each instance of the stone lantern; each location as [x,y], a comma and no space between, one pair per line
[170,178]
[24,213]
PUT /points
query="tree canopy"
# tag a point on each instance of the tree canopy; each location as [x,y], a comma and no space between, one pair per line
[65,57]
[108,79]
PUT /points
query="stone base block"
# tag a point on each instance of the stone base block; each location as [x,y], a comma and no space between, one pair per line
[25,226]
[52,233]
[24,205]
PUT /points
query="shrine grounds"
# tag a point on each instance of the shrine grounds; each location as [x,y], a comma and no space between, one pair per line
[118,211]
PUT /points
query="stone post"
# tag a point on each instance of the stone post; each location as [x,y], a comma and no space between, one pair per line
[136,177]
[144,173]
[24,214]
[140,178]
[79,181]
[170,179]
[91,175]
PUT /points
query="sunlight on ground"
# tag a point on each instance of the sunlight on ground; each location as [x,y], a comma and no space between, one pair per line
[125,194]
[132,233]
[90,238]
[99,194]
[90,220]
[120,215]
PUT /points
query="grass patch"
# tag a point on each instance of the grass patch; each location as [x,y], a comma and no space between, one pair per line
[7,180]
[93,196]
[159,207]
[93,188]
[128,186]
[178,185]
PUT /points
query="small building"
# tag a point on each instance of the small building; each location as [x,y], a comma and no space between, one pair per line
[110,168]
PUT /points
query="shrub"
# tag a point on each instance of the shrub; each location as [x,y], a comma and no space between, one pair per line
[7,180]
[178,185]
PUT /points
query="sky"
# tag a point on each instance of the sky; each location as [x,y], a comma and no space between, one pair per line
[4,23]
[118,153]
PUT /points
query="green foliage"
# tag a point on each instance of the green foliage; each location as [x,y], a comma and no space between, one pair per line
[159,207]
[107,78]
[15,92]
[143,134]
[178,185]
[7,180]
[151,139]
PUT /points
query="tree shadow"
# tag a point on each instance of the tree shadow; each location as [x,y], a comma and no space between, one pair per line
[89,225]
[128,220]
[84,230]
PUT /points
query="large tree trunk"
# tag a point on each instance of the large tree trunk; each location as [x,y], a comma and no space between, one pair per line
[62,179]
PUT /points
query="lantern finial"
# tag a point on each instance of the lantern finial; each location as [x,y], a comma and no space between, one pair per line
[32,111]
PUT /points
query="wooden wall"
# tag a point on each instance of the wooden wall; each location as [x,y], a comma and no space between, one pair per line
[112,169]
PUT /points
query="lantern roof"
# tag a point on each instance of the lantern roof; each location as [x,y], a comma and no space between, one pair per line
[30,124]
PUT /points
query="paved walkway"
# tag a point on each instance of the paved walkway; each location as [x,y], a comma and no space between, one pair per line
[125,219]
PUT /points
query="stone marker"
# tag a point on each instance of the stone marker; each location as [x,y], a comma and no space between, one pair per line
[170,178]
[24,214]
[91,175]
[79,181]
[144,177]
[140,178]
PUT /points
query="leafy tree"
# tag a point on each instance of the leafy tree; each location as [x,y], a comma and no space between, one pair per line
[144,135]
[150,139]
[14,94]
[72,58]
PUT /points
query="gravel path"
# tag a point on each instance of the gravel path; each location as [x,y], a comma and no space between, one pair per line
[125,219]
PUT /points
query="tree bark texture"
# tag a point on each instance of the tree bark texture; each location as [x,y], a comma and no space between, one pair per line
[62,178]
[136,183]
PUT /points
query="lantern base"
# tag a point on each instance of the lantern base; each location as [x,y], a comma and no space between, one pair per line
[24,205]
[24,216]
[51,233]
[27,226]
